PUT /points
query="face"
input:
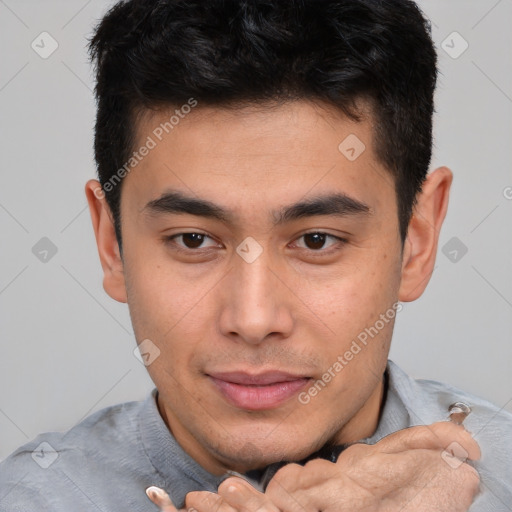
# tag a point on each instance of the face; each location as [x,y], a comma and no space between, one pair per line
[253,305]
[259,300]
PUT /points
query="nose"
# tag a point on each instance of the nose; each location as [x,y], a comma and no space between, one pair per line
[256,304]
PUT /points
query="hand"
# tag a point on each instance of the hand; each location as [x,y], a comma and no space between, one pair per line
[404,471]
[207,501]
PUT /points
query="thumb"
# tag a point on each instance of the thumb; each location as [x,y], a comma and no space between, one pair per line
[436,436]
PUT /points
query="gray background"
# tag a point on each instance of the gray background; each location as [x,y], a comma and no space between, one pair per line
[67,348]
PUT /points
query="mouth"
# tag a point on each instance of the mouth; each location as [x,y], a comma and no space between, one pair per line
[267,390]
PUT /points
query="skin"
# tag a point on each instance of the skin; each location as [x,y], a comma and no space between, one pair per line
[297,307]
[401,472]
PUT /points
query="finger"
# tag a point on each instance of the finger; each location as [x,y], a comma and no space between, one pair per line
[204,501]
[437,436]
[244,497]
[297,488]
[161,499]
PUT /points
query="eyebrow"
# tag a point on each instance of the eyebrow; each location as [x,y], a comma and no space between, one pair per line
[337,204]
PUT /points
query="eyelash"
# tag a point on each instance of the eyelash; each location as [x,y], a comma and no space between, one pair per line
[170,241]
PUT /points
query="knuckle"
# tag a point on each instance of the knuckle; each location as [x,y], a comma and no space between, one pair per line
[217,503]
[211,500]
[358,450]
[471,477]
[358,453]
[284,478]
[288,471]
[465,478]
[316,464]
[273,486]
[201,499]
[228,482]
[423,433]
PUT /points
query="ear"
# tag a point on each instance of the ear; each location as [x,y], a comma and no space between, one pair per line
[420,246]
[108,247]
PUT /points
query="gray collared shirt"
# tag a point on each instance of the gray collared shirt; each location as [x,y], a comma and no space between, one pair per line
[106,462]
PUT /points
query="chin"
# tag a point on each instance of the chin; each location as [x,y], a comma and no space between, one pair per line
[255,455]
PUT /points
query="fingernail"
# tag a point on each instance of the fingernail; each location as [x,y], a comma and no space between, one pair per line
[458,412]
[155,493]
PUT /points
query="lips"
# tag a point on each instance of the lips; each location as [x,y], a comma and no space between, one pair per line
[258,392]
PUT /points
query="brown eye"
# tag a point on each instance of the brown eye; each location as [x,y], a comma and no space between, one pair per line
[189,241]
[193,240]
[314,240]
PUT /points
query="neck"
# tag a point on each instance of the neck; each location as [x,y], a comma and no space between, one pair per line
[365,422]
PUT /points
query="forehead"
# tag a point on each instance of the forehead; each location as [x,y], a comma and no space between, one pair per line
[279,120]
[258,155]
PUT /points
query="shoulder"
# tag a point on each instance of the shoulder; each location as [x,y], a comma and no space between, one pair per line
[51,464]
[427,401]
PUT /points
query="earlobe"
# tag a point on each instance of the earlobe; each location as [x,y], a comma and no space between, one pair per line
[423,234]
[108,247]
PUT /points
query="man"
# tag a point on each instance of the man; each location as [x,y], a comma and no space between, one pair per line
[263,206]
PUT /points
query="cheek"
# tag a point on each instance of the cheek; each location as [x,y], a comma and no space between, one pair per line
[355,300]
[165,291]
[165,309]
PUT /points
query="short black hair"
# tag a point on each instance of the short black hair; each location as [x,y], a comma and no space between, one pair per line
[156,53]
